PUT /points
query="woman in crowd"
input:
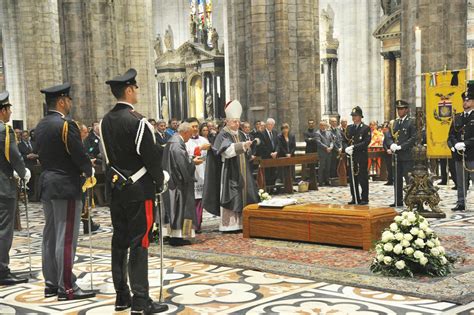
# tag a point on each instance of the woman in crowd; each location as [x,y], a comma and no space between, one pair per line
[204,131]
[286,148]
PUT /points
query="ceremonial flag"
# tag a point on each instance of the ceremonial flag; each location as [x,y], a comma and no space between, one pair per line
[443,99]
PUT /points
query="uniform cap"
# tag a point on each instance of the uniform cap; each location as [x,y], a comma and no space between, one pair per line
[233,110]
[57,91]
[4,102]
[128,78]
[401,104]
[469,94]
[357,111]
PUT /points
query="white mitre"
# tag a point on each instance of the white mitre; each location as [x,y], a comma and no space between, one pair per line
[233,110]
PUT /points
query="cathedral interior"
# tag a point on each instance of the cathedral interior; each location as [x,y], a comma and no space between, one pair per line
[290,60]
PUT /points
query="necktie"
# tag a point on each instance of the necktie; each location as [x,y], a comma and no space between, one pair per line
[271,139]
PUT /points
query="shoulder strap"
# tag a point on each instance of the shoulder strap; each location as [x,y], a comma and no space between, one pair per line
[103,143]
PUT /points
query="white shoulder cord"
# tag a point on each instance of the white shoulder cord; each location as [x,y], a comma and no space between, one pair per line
[103,143]
[141,130]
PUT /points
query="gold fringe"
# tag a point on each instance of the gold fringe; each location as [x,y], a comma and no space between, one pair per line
[64,135]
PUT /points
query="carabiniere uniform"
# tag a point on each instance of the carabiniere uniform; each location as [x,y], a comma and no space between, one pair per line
[10,160]
[403,133]
[63,161]
[134,171]
[358,136]
[462,130]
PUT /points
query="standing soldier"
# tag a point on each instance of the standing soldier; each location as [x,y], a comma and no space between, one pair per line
[134,159]
[356,140]
[461,143]
[401,141]
[10,161]
[63,161]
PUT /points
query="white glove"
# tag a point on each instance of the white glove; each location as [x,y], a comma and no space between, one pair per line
[453,149]
[93,171]
[349,150]
[394,147]
[166,177]
[460,146]
[27,176]
[15,174]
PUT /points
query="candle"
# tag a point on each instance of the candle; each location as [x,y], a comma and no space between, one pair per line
[418,66]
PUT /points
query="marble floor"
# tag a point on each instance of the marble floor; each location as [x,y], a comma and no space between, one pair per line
[192,287]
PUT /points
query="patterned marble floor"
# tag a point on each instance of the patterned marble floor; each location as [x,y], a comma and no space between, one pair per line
[198,288]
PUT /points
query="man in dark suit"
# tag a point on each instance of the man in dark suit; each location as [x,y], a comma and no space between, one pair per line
[402,139]
[336,152]
[387,140]
[356,141]
[92,143]
[268,149]
[160,134]
[461,143]
[64,161]
[29,157]
[325,146]
[10,162]
[134,159]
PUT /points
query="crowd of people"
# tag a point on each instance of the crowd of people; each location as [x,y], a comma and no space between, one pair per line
[194,167]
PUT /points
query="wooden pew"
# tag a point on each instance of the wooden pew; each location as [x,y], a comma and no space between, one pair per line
[310,158]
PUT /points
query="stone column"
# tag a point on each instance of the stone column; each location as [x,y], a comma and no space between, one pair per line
[398,75]
[388,83]
[334,108]
[440,21]
[32,35]
[327,86]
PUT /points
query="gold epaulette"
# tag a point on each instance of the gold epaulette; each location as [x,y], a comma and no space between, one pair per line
[65,133]
[7,142]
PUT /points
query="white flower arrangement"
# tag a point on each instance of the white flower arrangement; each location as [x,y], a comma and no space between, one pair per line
[408,247]
[264,195]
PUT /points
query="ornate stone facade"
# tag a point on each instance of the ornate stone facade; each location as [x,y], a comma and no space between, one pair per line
[273,57]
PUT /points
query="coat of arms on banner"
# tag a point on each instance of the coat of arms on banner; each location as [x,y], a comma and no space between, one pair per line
[445,108]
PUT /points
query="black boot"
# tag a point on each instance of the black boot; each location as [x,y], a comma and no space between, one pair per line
[94,226]
[11,279]
[150,307]
[123,300]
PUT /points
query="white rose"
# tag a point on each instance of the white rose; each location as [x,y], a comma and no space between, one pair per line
[398,219]
[411,217]
[423,226]
[421,234]
[388,247]
[404,214]
[398,249]
[441,249]
[423,261]
[437,242]
[387,236]
[429,231]
[420,243]
[405,243]
[400,264]
[379,248]
[394,227]
[418,254]
[443,260]
[414,231]
[408,237]
[434,251]
[265,195]
[399,236]
[380,257]
[409,251]
[405,222]
[260,191]
[430,244]
[387,260]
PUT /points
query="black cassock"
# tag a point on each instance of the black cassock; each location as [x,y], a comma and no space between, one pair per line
[228,184]
[179,199]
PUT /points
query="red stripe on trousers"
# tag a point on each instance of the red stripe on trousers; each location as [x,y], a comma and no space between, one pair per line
[149,222]
[67,259]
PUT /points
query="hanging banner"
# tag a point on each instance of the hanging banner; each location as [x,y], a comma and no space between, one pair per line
[443,100]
